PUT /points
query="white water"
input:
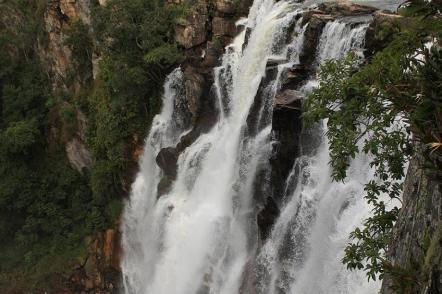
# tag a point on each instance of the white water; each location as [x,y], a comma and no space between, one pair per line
[202,237]
[338,38]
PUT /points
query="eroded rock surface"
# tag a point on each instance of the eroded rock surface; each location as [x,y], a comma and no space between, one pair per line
[416,250]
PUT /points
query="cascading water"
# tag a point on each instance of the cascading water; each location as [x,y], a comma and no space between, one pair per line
[202,236]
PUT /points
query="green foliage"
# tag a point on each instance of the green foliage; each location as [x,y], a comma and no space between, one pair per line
[363,105]
[79,40]
[68,116]
[138,50]
[44,204]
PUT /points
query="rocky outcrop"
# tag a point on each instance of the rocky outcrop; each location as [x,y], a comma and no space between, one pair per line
[59,15]
[99,272]
[203,33]
[416,251]
[192,31]
[78,155]
[57,59]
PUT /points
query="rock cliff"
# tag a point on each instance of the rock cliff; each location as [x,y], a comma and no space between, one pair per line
[416,251]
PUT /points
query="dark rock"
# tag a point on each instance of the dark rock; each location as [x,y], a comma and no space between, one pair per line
[293,77]
[271,62]
[167,160]
[205,116]
[212,54]
[290,99]
[246,37]
[286,130]
[311,39]
[259,114]
[267,217]
[164,185]
[193,83]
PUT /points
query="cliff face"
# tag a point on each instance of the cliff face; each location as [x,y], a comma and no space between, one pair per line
[416,250]
[58,61]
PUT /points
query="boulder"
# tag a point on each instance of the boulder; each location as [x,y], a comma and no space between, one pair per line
[167,160]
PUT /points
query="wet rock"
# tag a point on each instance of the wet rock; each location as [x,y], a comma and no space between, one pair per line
[293,77]
[259,114]
[193,84]
[271,62]
[267,217]
[205,118]
[211,55]
[164,185]
[286,131]
[246,37]
[167,160]
[289,98]
[311,39]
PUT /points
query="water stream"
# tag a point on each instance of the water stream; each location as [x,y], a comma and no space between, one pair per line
[202,236]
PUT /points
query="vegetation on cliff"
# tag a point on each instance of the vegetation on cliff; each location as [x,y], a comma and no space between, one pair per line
[44,203]
[384,108]
[47,207]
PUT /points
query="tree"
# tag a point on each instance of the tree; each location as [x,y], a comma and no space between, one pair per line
[385,105]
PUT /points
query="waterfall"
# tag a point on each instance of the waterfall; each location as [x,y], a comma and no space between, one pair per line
[202,236]
[338,38]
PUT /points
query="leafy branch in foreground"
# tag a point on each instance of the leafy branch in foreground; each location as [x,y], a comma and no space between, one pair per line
[379,108]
